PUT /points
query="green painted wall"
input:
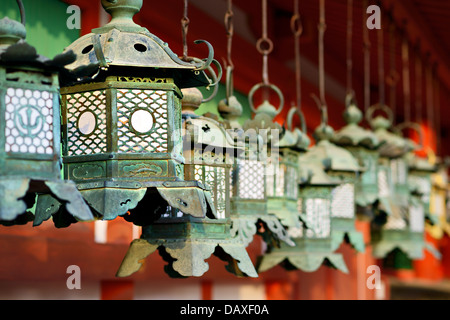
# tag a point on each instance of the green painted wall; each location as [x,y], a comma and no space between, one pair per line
[45,24]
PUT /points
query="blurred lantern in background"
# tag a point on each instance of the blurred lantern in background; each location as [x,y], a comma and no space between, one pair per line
[344,168]
[30,159]
[363,144]
[249,212]
[316,193]
[248,202]
[282,176]
[400,225]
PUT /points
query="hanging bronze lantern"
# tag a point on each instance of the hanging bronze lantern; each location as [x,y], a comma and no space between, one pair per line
[122,140]
[313,240]
[209,152]
[282,177]
[341,165]
[401,214]
[249,213]
[363,144]
[30,159]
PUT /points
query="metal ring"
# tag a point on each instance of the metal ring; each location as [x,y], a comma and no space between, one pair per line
[382,107]
[411,125]
[259,44]
[290,116]
[297,29]
[271,86]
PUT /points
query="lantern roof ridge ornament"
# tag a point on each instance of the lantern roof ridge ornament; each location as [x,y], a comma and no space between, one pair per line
[393,145]
[123,43]
[353,134]
[332,156]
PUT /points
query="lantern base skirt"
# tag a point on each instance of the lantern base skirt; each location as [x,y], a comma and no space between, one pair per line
[53,197]
[305,261]
[245,227]
[187,257]
[353,237]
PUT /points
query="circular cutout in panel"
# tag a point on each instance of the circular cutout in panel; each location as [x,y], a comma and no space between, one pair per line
[87,122]
[142,121]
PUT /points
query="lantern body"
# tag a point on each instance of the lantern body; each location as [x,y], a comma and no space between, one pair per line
[282,191]
[122,129]
[30,155]
[342,167]
[363,144]
[249,210]
[249,201]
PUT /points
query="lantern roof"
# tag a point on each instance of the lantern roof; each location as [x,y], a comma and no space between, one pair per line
[14,50]
[416,163]
[123,43]
[294,138]
[354,135]
[331,156]
[393,145]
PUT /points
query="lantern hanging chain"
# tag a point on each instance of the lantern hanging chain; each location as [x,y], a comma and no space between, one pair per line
[406,80]
[418,76]
[430,102]
[321,100]
[184,29]
[229,26]
[366,48]
[349,46]
[264,45]
[393,77]
[381,79]
[322,27]
[437,104]
[297,30]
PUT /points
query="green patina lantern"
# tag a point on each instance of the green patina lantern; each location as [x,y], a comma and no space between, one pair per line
[342,166]
[187,241]
[121,109]
[282,178]
[30,159]
[400,222]
[249,213]
[313,239]
[363,144]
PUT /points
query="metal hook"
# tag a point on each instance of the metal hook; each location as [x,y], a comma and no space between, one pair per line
[207,61]
[22,12]
[290,116]
[323,109]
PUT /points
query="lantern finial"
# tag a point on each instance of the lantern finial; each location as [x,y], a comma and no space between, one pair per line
[122,11]
[11,31]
